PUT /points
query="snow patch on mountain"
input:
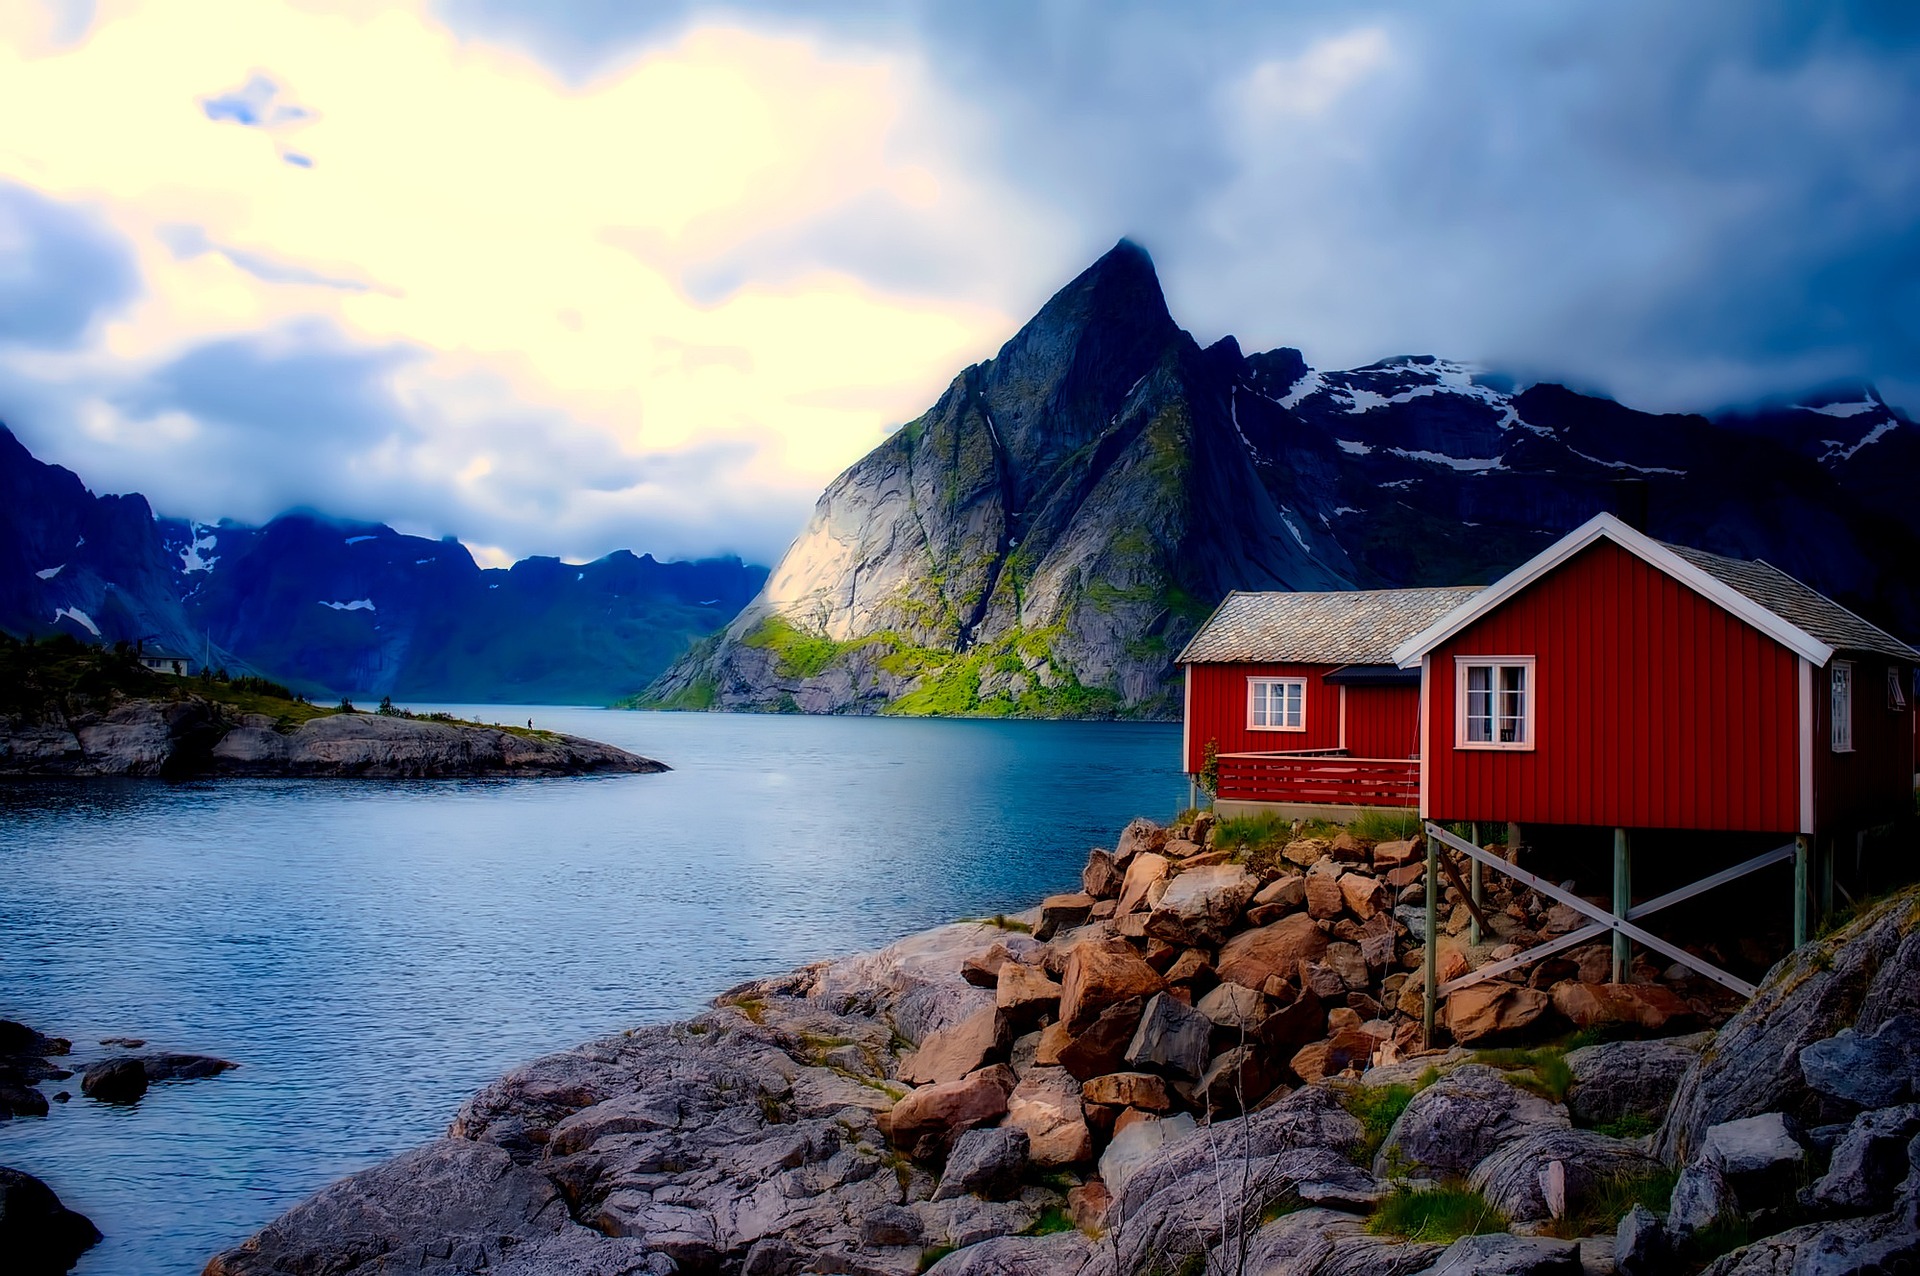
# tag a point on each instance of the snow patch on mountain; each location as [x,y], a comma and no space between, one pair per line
[48,573]
[355,540]
[1842,409]
[1354,449]
[1838,451]
[1624,465]
[79,618]
[191,559]
[1465,464]
[358,604]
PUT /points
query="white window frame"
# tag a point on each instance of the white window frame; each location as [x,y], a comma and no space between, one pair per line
[1530,703]
[1253,721]
[1896,689]
[1840,706]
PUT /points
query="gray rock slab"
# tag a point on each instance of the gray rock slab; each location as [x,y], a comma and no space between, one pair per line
[1459,1120]
[985,1163]
[1510,1177]
[1061,1254]
[1639,1243]
[1752,1147]
[1877,1245]
[1502,1254]
[1626,1078]
[1874,1071]
[1868,1163]
[1701,1195]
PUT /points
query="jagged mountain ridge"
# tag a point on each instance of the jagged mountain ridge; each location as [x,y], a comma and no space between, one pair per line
[342,608]
[1045,538]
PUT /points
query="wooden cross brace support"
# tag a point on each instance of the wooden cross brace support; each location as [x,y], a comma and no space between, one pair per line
[1603,920]
[1473,905]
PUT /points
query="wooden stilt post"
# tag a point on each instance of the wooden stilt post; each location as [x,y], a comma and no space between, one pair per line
[1827,858]
[1802,846]
[1473,927]
[1433,940]
[1622,902]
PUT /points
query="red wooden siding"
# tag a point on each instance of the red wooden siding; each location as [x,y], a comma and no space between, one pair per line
[1654,708]
[1875,781]
[1383,722]
[1217,711]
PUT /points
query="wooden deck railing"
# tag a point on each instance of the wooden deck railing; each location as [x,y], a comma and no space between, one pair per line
[1320,777]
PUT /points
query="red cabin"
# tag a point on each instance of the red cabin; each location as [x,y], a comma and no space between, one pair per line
[1617,681]
[1299,698]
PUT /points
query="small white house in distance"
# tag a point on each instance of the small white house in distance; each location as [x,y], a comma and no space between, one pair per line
[165,662]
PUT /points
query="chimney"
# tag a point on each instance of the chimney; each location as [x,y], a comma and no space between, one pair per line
[1630,502]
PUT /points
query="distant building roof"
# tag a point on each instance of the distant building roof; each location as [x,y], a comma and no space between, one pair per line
[1342,627]
[1797,604]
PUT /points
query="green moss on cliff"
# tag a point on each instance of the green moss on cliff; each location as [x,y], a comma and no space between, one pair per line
[800,654]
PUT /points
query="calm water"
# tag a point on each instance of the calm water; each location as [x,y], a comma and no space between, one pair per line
[371,953]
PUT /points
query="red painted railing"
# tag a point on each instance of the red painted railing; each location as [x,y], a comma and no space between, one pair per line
[1321,778]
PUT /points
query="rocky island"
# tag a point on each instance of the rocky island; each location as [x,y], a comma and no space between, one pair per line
[69,709]
[1203,1061]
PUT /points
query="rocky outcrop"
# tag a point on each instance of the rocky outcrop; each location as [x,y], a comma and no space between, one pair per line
[191,736]
[39,1235]
[867,1114]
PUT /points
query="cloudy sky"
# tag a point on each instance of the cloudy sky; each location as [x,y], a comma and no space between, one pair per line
[563,276]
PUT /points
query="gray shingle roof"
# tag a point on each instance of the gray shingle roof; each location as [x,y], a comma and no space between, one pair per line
[1797,604]
[1350,626]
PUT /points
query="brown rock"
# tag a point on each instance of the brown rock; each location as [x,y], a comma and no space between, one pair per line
[1324,897]
[1289,891]
[1024,995]
[1341,1019]
[1190,967]
[1365,896]
[948,1054]
[1202,904]
[1102,1047]
[1305,852]
[1202,827]
[1053,1039]
[1127,1118]
[1101,877]
[1055,955]
[1292,1026]
[1648,1006]
[1046,1104]
[1063,912]
[1253,955]
[1130,926]
[926,1121]
[1365,1006]
[1141,1090]
[1394,853]
[1324,1059]
[1104,909]
[1322,980]
[1140,836]
[1493,1009]
[1346,961]
[1347,848]
[1180,848]
[1147,869]
[1087,1205]
[1237,1079]
[1406,874]
[1101,975]
[982,970]
[1595,962]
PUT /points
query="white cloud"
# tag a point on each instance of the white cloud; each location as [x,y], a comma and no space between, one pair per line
[1308,84]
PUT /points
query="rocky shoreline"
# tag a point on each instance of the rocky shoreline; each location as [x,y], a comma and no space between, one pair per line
[194,737]
[1163,1078]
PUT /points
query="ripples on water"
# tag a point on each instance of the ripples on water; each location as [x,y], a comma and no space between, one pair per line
[372,953]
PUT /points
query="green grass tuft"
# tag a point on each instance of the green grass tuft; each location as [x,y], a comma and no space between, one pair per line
[1377,1108]
[1439,1214]
[1052,1220]
[1600,1210]
[1631,1126]
[1542,1070]
[1384,825]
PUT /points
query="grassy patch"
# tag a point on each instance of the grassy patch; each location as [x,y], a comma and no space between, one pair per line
[1255,840]
[1439,1214]
[1631,1126]
[1052,1220]
[1377,1108]
[1384,826]
[754,1008]
[800,654]
[1542,1070]
[1600,1210]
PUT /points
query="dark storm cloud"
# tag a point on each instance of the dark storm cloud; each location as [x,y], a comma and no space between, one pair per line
[60,269]
[1686,204]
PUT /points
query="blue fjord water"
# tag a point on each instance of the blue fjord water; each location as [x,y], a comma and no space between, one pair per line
[371,953]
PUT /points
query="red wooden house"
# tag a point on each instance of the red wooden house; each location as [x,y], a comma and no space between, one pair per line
[1617,681]
[1299,699]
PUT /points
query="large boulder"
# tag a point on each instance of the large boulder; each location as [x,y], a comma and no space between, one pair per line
[1492,1010]
[1172,1038]
[1046,1106]
[1877,1245]
[926,1122]
[1459,1120]
[1024,994]
[1064,912]
[1644,1006]
[1860,977]
[1366,897]
[1511,1177]
[1100,975]
[949,1054]
[39,1235]
[1627,1078]
[1868,1163]
[1238,1078]
[1140,835]
[1701,1197]
[1145,872]
[1756,1154]
[119,1080]
[1138,1146]
[1874,1071]
[1202,904]
[985,1163]
[1101,877]
[1017,1256]
[1102,1047]
[1254,956]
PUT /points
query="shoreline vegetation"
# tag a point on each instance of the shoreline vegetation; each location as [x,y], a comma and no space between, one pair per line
[1203,1061]
[69,708]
